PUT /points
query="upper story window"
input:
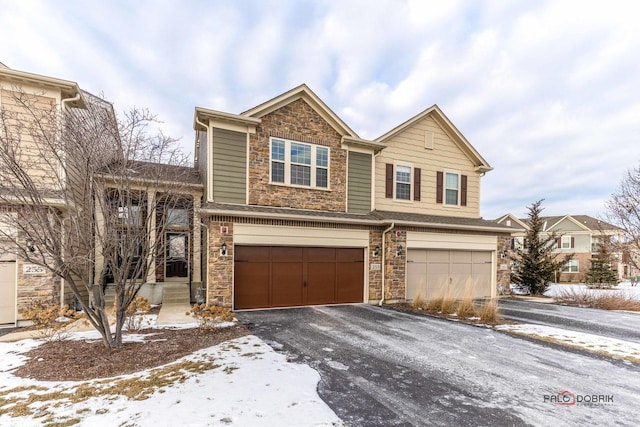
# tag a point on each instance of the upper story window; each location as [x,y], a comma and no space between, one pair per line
[566,242]
[177,217]
[297,163]
[130,215]
[451,188]
[403,182]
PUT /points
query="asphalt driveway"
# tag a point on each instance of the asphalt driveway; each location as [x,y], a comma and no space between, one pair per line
[384,368]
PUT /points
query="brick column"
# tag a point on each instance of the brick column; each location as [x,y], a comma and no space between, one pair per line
[220,268]
[395,266]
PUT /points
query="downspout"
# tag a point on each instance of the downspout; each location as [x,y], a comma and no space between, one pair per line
[393,224]
[206,164]
[62,282]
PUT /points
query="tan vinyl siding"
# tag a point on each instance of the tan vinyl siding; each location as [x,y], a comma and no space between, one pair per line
[408,147]
[359,183]
[229,166]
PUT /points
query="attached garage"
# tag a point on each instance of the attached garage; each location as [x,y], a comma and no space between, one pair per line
[289,276]
[7,292]
[433,272]
[440,264]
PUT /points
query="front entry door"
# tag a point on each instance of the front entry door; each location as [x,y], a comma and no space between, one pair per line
[177,255]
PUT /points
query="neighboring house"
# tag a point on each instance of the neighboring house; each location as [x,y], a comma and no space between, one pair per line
[20,282]
[580,235]
[299,210]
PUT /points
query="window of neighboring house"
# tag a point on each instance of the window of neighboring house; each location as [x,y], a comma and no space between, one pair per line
[403,182]
[177,217]
[571,266]
[566,242]
[297,163]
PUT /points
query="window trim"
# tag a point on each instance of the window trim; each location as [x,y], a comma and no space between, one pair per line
[287,164]
[569,265]
[445,188]
[567,240]
[395,181]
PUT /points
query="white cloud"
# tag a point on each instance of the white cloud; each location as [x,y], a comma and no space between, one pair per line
[546,91]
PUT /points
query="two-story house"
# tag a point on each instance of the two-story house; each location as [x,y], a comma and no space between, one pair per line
[580,235]
[299,210]
[22,282]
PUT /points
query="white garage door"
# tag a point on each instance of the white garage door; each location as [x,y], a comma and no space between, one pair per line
[7,292]
[448,273]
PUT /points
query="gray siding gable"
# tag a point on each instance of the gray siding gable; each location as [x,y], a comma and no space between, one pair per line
[229,166]
[359,183]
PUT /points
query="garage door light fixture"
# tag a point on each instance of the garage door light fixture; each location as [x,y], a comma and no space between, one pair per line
[30,245]
[223,249]
[376,251]
[400,251]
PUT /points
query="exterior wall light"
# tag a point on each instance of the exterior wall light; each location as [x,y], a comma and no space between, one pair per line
[376,251]
[223,249]
[400,251]
[30,245]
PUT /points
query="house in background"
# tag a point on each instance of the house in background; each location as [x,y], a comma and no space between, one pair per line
[299,210]
[580,235]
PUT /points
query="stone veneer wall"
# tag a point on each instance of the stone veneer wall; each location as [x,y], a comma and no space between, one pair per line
[296,121]
[375,276]
[220,268]
[503,277]
[32,288]
[395,266]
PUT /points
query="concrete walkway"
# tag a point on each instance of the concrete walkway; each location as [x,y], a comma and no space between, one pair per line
[174,314]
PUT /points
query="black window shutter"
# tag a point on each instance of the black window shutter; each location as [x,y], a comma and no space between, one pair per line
[439,186]
[416,184]
[463,190]
[388,189]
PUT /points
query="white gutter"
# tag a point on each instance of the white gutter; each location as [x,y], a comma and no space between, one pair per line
[383,265]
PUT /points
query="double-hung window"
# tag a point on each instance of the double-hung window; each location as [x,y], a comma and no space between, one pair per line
[403,182]
[571,266]
[452,188]
[299,164]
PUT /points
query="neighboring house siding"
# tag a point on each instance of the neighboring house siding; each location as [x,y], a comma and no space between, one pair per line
[565,226]
[229,166]
[359,185]
[299,122]
[408,147]
[37,157]
[203,160]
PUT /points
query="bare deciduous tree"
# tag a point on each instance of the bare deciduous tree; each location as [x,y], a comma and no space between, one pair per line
[623,210]
[84,195]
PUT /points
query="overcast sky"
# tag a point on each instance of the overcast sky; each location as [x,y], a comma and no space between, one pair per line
[547,91]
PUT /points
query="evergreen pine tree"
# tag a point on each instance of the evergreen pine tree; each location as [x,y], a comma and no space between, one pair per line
[535,264]
[600,274]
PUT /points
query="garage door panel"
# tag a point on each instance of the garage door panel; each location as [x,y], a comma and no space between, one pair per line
[252,253]
[349,255]
[285,254]
[255,291]
[460,257]
[286,284]
[350,280]
[321,283]
[437,256]
[417,256]
[7,292]
[321,254]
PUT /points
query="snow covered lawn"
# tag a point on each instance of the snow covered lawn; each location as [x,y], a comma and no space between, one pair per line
[624,289]
[239,382]
[611,347]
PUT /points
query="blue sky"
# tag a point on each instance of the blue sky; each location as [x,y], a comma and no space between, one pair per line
[547,91]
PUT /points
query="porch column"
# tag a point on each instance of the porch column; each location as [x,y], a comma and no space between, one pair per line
[197,261]
[151,233]
[99,233]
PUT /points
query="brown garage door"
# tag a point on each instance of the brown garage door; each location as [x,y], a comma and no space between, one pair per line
[272,276]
